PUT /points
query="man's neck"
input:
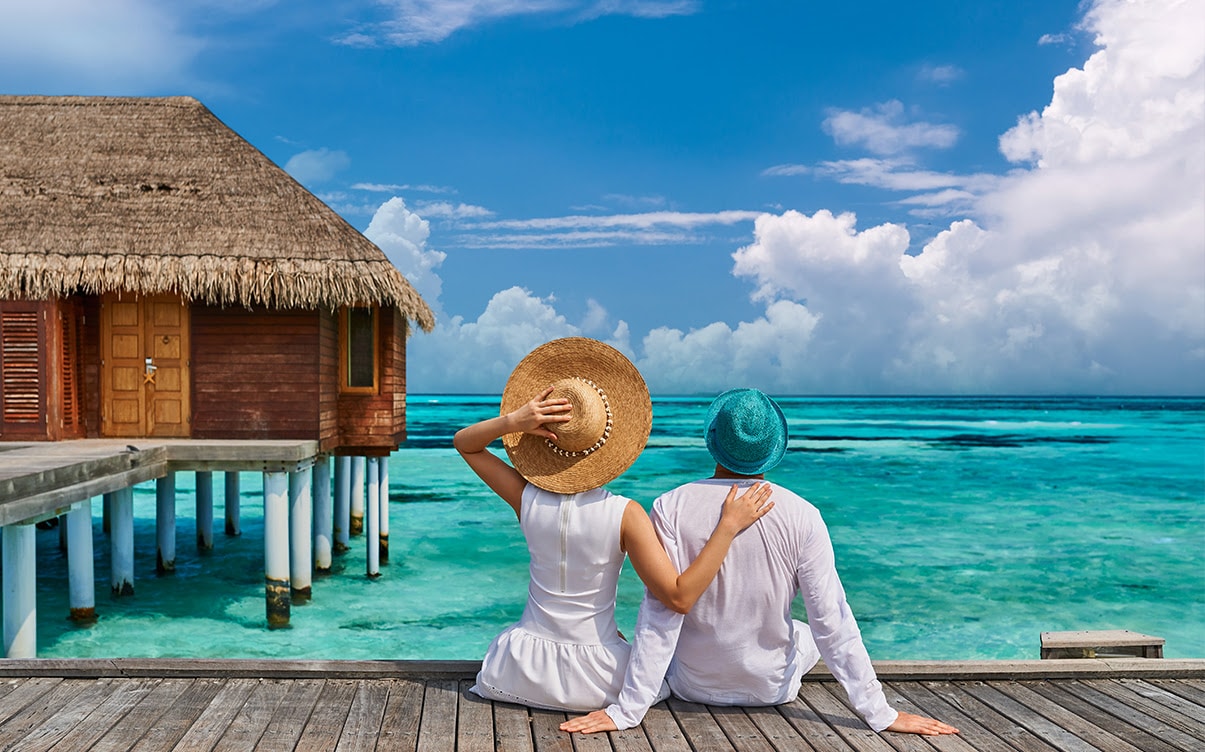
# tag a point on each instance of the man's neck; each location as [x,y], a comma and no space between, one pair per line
[724,473]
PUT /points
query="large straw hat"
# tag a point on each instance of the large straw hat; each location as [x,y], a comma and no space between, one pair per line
[746,431]
[609,424]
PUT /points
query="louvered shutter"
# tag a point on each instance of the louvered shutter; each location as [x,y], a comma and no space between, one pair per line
[22,370]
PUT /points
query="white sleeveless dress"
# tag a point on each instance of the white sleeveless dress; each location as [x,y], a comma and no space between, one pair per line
[565,653]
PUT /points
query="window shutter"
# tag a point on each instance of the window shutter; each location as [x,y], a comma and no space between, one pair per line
[22,381]
[69,344]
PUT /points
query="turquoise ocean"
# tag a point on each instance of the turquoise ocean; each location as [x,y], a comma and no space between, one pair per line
[963,527]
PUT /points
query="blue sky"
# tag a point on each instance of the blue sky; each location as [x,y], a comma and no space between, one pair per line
[863,197]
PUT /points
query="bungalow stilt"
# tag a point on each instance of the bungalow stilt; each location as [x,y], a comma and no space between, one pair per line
[121,542]
[276,548]
[372,529]
[80,572]
[301,540]
[322,514]
[384,493]
[342,521]
[204,510]
[357,495]
[165,524]
[20,588]
[233,521]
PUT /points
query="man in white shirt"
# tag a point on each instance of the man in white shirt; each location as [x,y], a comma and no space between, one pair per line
[739,644]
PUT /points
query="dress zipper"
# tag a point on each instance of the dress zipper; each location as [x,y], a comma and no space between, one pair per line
[565,504]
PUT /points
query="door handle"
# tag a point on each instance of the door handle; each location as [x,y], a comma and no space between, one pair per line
[149,376]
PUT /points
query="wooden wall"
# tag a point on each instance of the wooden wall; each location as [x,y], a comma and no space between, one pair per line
[256,374]
[376,423]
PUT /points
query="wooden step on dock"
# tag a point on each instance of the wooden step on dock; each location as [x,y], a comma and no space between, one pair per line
[1120,705]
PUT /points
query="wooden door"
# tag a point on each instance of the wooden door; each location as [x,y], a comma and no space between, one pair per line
[144,376]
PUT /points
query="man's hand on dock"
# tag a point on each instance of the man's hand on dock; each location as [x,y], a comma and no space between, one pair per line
[907,723]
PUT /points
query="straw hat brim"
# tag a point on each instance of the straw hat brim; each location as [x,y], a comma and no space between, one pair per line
[626,393]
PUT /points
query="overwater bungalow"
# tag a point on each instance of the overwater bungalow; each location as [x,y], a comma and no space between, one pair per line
[161,277]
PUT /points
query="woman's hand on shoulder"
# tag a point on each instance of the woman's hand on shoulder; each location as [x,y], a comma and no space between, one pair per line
[535,416]
[742,511]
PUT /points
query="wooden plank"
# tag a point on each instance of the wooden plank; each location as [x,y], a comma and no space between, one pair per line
[142,717]
[545,730]
[1107,721]
[1174,701]
[901,742]
[629,740]
[947,743]
[969,729]
[742,733]
[1001,725]
[437,729]
[47,736]
[698,725]
[662,729]
[287,723]
[403,713]
[96,724]
[325,724]
[1158,710]
[1193,691]
[1040,726]
[777,730]
[1090,692]
[249,723]
[512,728]
[475,725]
[848,724]
[588,742]
[1078,725]
[40,710]
[183,713]
[213,720]
[363,723]
[812,727]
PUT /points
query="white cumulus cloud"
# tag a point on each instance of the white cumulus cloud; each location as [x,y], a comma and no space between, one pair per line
[881,130]
[402,235]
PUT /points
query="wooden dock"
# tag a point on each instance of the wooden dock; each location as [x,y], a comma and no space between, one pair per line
[1119,705]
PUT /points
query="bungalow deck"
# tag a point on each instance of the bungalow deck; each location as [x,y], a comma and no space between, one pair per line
[1119,705]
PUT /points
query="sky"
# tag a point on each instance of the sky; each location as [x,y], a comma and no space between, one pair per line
[868,197]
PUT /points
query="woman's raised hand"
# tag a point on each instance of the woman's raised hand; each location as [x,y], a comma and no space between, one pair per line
[535,416]
[742,511]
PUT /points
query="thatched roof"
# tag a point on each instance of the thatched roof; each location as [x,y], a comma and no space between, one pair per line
[102,194]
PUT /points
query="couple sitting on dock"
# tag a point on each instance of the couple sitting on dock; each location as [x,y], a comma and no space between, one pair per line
[575,415]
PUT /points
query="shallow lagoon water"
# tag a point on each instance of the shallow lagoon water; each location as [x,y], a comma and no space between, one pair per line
[963,528]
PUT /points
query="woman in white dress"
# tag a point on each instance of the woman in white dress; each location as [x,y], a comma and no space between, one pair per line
[576,414]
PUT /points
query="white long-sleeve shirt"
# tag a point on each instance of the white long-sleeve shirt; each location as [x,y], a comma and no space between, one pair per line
[739,644]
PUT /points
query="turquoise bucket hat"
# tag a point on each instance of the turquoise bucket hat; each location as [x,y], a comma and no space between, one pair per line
[746,431]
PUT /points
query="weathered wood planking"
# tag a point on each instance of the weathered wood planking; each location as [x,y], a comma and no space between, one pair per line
[317,709]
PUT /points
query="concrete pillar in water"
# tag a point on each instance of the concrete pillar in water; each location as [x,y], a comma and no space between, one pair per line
[233,521]
[276,548]
[165,524]
[20,592]
[81,575]
[373,506]
[384,510]
[357,495]
[121,542]
[301,535]
[323,522]
[204,510]
[342,521]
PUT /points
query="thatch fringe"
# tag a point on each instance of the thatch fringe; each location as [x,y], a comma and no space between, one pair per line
[269,282]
